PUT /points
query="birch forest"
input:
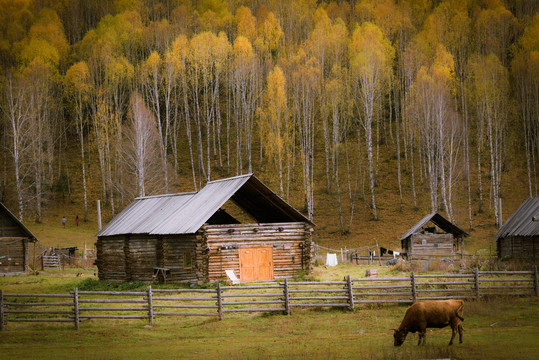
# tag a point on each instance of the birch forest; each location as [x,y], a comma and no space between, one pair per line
[433,102]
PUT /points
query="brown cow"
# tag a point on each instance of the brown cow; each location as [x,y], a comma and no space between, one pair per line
[431,314]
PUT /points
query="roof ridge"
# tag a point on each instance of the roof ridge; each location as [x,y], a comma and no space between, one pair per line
[230,178]
[165,195]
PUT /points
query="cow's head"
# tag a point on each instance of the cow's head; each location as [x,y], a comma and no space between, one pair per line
[400,336]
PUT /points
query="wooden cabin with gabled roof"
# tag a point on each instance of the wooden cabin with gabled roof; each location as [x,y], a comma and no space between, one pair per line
[192,237]
[15,239]
[518,238]
[433,236]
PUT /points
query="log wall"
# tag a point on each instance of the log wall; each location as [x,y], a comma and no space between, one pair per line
[13,254]
[173,249]
[214,249]
[111,258]
[431,244]
[141,257]
[519,247]
[134,257]
[13,246]
[219,246]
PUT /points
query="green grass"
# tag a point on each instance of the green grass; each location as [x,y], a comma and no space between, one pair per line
[494,329]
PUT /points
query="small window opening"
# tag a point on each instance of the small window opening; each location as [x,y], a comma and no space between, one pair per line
[187,260]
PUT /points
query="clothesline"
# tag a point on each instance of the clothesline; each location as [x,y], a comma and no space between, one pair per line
[368,247]
[347,249]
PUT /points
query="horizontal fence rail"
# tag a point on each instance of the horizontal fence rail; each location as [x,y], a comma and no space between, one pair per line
[273,297]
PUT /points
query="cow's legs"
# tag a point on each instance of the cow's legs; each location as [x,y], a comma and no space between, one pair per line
[460,333]
[422,334]
[453,333]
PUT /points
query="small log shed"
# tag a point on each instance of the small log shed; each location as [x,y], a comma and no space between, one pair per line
[433,236]
[14,243]
[189,237]
[518,238]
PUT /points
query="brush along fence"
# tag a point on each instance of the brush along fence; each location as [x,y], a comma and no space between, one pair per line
[78,305]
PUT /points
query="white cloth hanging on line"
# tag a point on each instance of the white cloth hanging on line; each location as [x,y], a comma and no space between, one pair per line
[331,259]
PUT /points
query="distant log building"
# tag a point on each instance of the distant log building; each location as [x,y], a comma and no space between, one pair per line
[15,239]
[433,236]
[518,238]
[190,238]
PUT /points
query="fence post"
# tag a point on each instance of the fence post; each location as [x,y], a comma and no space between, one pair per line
[476,281]
[535,281]
[414,288]
[1,309]
[219,302]
[286,298]
[350,292]
[150,304]
[76,307]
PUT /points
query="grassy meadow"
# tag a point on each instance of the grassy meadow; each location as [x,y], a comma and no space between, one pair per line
[500,328]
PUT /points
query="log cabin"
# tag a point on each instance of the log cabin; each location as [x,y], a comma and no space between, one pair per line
[234,224]
[15,239]
[518,238]
[433,236]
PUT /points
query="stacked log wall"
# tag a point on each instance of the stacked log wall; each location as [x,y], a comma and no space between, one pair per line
[291,244]
[141,257]
[519,247]
[13,254]
[110,261]
[173,249]
[13,246]
[436,244]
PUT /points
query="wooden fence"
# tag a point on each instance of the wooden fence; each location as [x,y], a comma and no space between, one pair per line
[274,297]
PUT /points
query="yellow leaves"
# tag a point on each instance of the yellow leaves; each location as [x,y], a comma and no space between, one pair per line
[45,41]
[153,62]
[489,79]
[245,23]
[119,70]
[276,89]
[530,39]
[370,51]
[443,67]
[269,34]
[214,14]
[40,49]
[77,78]
[243,48]
[276,127]
[177,54]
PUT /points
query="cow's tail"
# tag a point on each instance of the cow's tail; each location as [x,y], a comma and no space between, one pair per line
[458,310]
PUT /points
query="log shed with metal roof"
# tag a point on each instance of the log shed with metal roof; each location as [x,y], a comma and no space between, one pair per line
[190,237]
[14,243]
[518,238]
[433,236]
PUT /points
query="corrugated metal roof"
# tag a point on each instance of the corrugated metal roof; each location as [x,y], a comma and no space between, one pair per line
[521,222]
[439,220]
[28,233]
[144,214]
[186,213]
[201,207]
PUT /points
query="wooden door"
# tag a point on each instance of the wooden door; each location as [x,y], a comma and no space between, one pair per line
[256,264]
[247,264]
